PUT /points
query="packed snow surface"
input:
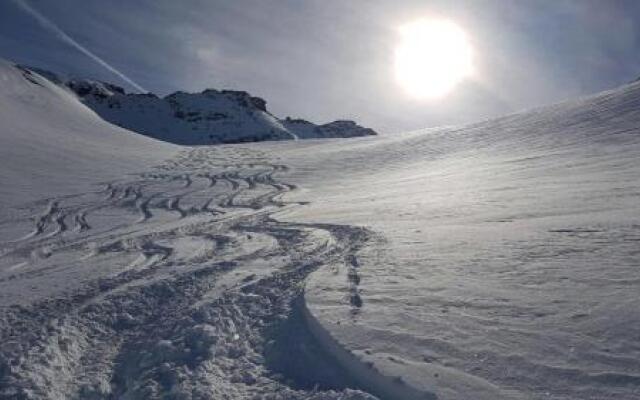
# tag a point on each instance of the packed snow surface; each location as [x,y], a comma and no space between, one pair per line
[493,261]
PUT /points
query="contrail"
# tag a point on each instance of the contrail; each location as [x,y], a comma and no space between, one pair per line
[48,24]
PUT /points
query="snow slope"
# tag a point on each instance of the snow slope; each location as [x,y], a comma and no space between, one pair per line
[210,117]
[506,261]
[51,143]
[133,269]
[492,261]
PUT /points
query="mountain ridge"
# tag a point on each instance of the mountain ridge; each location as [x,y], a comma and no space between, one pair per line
[209,117]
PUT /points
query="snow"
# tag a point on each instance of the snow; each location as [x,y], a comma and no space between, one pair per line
[497,260]
[51,143]
[507,263]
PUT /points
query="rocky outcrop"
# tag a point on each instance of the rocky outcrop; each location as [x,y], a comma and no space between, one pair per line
[304,129]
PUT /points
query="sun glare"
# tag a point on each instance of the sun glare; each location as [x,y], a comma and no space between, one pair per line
[432,57]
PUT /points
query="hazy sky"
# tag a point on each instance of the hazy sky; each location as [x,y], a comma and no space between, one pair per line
[328,59]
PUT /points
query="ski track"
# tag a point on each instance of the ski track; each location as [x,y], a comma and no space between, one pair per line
[191,313]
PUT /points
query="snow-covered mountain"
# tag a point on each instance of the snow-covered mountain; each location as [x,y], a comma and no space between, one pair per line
[303,129]
[491,261]
[209,117]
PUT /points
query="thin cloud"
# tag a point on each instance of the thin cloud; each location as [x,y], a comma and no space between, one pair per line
[49,25]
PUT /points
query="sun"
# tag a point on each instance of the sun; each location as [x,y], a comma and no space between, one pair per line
[433,56]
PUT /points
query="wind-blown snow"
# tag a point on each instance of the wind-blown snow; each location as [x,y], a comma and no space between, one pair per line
[507,265]
[492,261]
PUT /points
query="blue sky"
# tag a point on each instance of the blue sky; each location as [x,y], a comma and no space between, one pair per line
[329,59]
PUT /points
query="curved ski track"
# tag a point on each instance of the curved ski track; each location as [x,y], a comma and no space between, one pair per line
[203,274]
